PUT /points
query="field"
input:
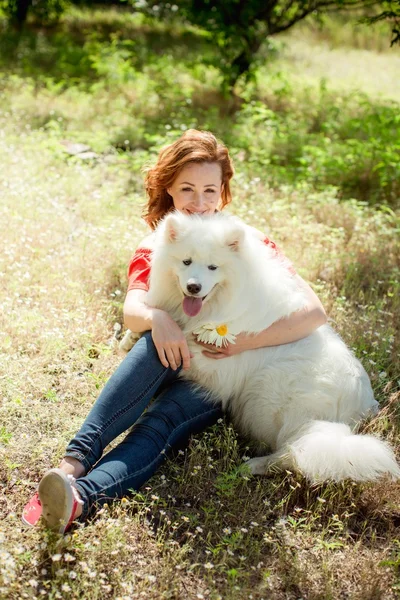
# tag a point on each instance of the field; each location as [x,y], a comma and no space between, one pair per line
[316,143]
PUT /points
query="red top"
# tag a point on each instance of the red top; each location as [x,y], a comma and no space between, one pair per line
[140,265]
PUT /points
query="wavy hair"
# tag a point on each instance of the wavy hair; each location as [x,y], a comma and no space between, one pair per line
[193,146]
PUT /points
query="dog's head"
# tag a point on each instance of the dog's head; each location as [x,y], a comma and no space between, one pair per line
[203,253]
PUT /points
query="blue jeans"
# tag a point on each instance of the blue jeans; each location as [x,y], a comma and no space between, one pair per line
[179,410]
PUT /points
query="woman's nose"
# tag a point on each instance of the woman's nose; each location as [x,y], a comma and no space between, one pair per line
[199,201]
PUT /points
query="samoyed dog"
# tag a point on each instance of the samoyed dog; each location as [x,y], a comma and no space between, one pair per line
[302,399]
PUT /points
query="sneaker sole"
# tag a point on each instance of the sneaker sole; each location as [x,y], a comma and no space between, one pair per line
[56,497]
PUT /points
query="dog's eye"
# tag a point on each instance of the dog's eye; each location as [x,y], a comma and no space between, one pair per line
[187,262]
[212,267]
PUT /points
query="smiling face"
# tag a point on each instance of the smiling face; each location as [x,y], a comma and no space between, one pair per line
[197,189]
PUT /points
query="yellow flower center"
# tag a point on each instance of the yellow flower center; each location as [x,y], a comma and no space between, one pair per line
[222,330]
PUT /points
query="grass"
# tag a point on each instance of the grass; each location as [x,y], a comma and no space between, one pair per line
[201,527]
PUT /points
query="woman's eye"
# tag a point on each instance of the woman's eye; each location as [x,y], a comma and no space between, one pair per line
[187,262]
[210,191]
[212,267]
[186,189]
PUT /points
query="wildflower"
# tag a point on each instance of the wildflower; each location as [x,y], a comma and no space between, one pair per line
[65,587]
[68,557]
[215,334]
[72,575]
[33,583]
[208,565]
[56,557]
[227,530]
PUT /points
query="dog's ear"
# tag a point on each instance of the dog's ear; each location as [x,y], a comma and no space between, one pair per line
[235,238]
[171,228]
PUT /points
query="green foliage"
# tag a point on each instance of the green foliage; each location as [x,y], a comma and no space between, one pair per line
[353,146]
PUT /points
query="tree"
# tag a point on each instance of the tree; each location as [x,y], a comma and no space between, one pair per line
[390,12]
[241,26]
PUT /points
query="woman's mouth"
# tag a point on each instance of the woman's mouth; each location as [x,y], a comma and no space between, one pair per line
[195,212]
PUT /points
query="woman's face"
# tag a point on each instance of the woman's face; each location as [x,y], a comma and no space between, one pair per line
[197,189]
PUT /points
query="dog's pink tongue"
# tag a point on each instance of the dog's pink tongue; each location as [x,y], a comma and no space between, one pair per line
[192,306]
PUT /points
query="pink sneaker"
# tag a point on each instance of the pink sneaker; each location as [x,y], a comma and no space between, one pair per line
[32,511]
[59,499]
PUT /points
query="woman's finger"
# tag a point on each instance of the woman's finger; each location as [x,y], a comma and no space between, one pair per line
[186,356]
[161,356]
[176,350]
[171,358]
[215,355]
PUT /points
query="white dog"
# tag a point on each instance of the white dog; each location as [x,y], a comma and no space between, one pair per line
[215,278]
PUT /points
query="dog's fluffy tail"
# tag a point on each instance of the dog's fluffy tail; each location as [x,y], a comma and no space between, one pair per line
[330,451]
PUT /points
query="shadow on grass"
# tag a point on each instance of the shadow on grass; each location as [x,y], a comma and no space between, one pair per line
[73,50]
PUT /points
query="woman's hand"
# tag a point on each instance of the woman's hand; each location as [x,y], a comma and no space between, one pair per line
[170,343]
[244,341]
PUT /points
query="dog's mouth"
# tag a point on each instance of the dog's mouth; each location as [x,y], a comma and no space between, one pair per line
[192,305]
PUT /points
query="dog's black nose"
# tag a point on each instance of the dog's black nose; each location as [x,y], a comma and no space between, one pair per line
[193,288]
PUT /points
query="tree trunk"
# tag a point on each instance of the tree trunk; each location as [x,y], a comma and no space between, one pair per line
[242,62]
[21,11]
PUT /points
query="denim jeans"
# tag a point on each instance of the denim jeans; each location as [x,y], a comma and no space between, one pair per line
[179,410]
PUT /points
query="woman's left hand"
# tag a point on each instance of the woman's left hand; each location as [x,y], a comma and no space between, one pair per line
[244,342]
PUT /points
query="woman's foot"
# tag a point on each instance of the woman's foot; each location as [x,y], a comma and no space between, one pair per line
[59,499]
[33,509]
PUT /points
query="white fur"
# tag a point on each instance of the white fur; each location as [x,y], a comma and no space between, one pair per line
[300,399]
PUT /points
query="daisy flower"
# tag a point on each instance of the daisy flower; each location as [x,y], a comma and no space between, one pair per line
[215,334]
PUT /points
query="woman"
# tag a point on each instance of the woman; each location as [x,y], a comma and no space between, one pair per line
[191,175]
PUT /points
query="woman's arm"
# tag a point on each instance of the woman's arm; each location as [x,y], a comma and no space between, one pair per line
[168,337]
[138,317]
[296,326]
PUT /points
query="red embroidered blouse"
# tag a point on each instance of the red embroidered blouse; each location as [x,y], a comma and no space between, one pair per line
[140,265]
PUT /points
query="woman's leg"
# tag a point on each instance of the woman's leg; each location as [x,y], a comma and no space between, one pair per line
[123,399]
[179,411]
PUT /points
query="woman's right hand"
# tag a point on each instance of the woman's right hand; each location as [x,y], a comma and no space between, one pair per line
[170,343]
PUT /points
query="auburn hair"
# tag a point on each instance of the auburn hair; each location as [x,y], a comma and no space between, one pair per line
[192,147]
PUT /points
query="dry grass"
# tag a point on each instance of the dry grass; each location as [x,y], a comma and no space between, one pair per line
[201,528]
[306,59]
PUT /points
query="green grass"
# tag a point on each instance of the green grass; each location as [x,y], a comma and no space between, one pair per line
[317,169]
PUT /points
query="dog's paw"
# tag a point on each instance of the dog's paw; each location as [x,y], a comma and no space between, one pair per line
[258,465]
[128,341]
